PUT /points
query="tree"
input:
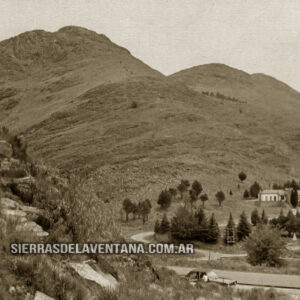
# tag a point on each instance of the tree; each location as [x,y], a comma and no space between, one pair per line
[230,231]
[183,187]
[265,245]
[264,218]
[164,199]
[220,196]
[294,198]
[255,189]
[128,207]
[193,197]
[135,210]
[197,187]
[213,230]
[200,216]
[144,209]
[230,192]
[291,224]
[164,225]
[242,176]
[246,194]
[243,228]
[203,198]
[255,219]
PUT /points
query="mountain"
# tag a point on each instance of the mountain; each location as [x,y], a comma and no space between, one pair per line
[41,72]
[85,102]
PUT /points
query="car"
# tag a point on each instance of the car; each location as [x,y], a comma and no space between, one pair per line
[195,276]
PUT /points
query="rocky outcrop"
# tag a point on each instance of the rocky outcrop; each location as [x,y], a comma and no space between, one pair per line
[22,217]
[41,296]
[101,278]
[5,149]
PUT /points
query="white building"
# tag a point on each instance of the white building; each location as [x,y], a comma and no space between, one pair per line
[276,195]
[272,195]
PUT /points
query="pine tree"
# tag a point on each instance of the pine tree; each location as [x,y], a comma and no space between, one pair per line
[255,219]
[230,231]
[243,228]
[200,215]
[264,218]
[213,230]
[294,198]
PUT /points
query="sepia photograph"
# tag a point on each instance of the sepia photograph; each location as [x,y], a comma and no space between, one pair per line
[149,149]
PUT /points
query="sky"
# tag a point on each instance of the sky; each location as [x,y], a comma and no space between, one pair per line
[257,36]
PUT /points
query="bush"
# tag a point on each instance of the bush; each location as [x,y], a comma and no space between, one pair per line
[133,104]
[265,246]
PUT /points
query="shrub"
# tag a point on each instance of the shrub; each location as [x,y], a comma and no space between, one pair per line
[265,245]
[133,104]
[242,176]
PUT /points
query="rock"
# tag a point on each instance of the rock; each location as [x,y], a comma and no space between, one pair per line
[41,296]
[5,149]
[12,213]
[9,203]
[87,272]
[12,290]
[24,188]
[29,226]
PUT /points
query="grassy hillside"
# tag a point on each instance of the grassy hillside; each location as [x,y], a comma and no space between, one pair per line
[83,101]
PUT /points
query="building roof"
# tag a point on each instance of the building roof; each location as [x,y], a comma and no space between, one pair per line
[277,192]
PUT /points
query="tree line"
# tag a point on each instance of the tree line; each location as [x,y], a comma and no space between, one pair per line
[188,226]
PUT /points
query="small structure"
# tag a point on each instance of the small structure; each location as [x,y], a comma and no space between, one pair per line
[276,195]
[273,195]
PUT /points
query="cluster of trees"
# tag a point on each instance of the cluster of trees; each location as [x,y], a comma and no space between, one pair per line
[289,222]
[141,209]
[188,226]
[253,192]
[220,96]
[233,233]
[288,184]
[193,193]
[184,188]
[257,219]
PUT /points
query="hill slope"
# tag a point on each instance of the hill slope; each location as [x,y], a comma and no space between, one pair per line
[41,72]
[77,110]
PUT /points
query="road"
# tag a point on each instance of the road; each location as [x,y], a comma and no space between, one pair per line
[145,237]
[289,284]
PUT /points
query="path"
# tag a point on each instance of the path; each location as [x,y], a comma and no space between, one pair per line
[143,237]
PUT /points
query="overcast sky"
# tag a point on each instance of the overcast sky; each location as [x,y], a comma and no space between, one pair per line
[258,36]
